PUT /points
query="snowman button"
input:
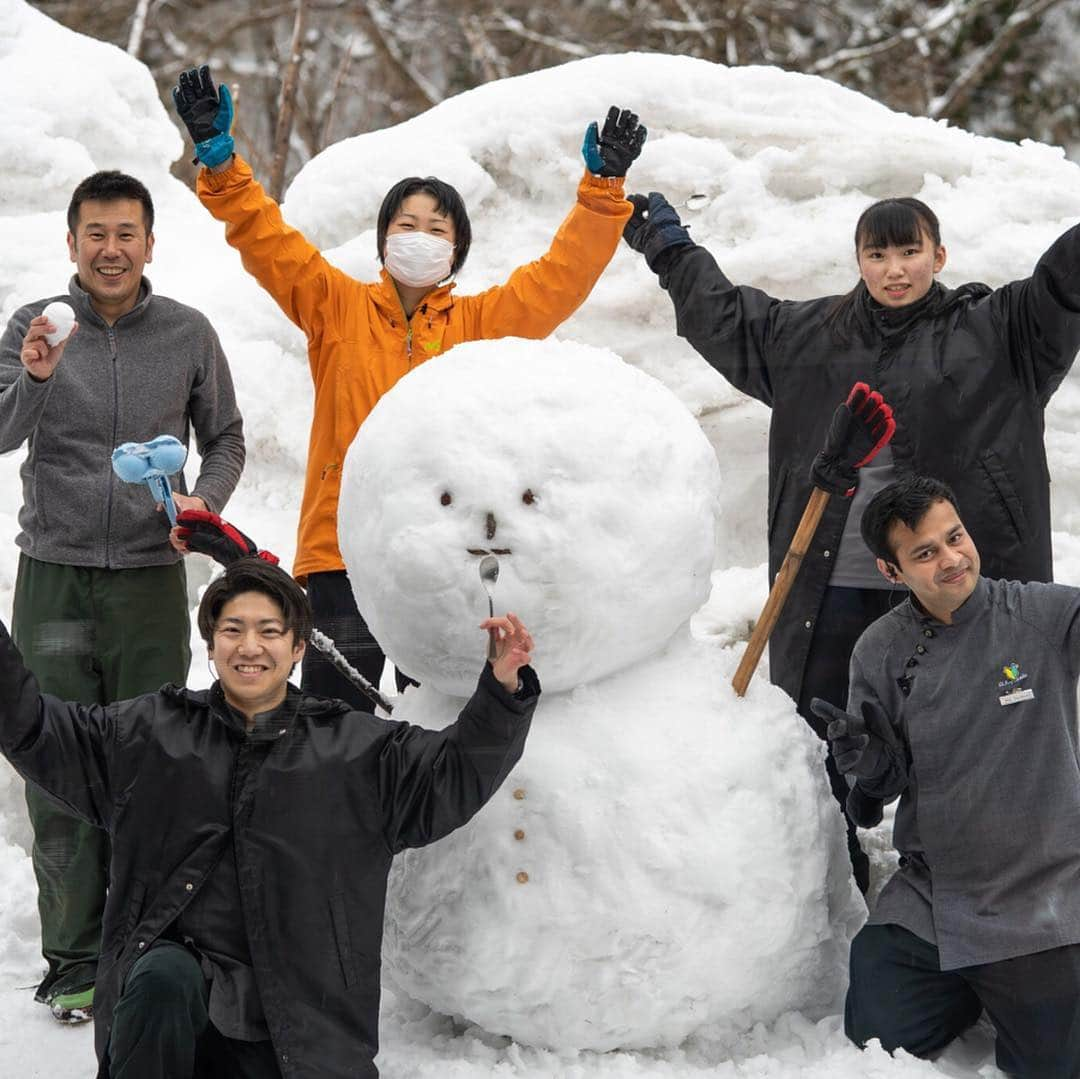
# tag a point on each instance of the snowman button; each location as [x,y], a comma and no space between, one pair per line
[519,794]
[519,834]
[523,877]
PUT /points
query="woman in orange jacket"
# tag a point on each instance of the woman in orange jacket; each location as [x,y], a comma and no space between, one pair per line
[362,337]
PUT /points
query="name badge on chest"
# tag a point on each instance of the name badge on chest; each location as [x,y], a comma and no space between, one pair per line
[1016,696]
[1013,693]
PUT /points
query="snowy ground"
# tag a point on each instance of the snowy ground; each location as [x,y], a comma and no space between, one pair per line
[771,170]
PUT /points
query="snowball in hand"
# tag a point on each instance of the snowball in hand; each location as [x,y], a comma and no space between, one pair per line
[62,317]
[587,479]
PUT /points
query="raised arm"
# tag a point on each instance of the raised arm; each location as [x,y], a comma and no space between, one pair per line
[431,782]
[290,268]
[64,748]
[539,296]
[731,326]
[1040,317]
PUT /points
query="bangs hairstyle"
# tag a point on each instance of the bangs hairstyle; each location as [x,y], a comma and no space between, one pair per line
[447,201]
[888,223]
[907,501]
[896,223]
[110,186]
[255,575]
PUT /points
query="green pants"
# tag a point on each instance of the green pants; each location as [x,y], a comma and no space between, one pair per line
[94,636]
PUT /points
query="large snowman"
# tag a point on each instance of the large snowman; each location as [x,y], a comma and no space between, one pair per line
[665,858]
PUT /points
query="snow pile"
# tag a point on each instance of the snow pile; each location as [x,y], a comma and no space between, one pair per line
[628,885]
[47,119]
[769,168]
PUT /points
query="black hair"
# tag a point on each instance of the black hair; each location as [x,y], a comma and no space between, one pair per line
[110,186]
[447,201]
[895,222]
[887,223]
[906,500]
[254,575]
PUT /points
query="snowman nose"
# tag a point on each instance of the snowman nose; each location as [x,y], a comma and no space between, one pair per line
[490,526]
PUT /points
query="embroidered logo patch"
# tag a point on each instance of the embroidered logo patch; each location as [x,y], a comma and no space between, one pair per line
[1014,692]
[1013,676]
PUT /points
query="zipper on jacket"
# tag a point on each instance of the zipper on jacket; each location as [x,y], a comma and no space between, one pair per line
[110,334]
[408,343]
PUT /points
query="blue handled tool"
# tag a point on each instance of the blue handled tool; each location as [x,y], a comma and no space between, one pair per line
[152,462]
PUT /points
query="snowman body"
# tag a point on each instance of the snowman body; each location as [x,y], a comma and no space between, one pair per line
[665,858]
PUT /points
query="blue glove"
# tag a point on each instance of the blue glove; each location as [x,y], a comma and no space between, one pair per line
[654,229]
[612,151]
[207,114]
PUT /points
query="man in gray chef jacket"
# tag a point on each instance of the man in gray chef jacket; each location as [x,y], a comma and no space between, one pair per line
[963,705]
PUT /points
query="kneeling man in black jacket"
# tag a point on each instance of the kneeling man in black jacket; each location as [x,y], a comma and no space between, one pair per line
[252,831]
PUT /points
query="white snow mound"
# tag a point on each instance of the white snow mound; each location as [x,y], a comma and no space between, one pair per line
[665,858]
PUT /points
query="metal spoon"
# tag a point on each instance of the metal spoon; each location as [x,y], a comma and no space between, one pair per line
[489,574]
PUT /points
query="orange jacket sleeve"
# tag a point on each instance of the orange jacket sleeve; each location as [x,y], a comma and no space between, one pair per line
[293,270]
[540,295]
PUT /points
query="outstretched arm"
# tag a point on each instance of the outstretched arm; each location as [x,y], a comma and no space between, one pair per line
[64,748]
[290,268]
[730,326]
[431,782]
[1040,317]
[541,295]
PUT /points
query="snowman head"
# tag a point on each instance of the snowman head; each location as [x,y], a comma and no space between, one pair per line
[587,479]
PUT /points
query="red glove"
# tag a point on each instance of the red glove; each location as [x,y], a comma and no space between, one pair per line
[208,534]
[858,429]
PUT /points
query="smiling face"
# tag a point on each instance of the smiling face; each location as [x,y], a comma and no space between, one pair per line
[937,560]
[421,213]
[254,653]
[110,247]
[900,274]
[598,499]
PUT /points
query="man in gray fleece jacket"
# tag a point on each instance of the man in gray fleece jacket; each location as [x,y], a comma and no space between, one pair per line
[963,704]
[100,609]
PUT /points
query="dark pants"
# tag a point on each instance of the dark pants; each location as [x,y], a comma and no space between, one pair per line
[845,613]
[92,636]
[334,612]
[900,995]
[161,1029]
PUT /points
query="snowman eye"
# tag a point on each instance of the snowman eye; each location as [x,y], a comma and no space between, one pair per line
[446,498]
[528,497]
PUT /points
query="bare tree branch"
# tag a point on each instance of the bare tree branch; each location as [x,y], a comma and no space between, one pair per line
[289,84]
[957,96]
[138,27]
[516,26]
[938,22]
[376,23]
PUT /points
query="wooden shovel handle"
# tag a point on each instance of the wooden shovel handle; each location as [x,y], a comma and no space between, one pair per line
[778,595]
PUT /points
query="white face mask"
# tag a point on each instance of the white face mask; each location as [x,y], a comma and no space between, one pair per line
[418,259]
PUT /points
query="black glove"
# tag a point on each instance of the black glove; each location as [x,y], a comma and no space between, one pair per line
[863,809]
[862,746]
[207,113]
[612,151]
[208,534]
[654,229]
[858,429]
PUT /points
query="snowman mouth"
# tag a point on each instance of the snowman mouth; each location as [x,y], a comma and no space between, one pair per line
[480,552]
